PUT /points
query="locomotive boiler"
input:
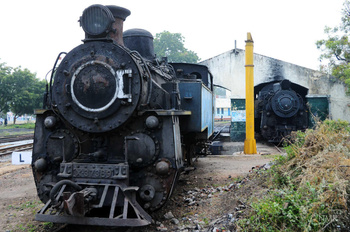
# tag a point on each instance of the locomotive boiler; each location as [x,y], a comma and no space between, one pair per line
[117,126]
[280,108]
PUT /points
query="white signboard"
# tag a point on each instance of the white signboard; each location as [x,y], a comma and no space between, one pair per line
[238,116]
[24,157]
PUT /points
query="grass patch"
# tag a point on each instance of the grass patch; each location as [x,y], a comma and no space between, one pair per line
[308,188]
[26,228]
[13,130]
[25,205]
[271,156]
[20,126]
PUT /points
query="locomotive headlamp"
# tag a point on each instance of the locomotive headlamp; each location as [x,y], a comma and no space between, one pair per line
[97,20]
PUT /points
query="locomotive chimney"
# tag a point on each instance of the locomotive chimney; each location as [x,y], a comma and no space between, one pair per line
[120,14]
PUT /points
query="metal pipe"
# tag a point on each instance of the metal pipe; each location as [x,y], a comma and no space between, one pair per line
[58,185]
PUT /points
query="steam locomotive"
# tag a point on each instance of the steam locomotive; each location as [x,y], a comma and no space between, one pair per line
[117,126]
[280,108]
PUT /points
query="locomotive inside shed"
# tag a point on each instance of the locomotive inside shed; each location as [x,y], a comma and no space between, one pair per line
[280,108]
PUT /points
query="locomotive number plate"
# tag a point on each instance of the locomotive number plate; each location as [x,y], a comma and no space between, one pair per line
[94,171]
[98,173]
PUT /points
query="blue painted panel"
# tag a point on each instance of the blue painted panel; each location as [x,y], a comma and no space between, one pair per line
[196,98]
[207,110]
[190,100]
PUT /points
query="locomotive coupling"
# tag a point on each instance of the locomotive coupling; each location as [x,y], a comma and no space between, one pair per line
[74,204]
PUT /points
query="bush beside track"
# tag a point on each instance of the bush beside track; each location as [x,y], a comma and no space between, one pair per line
[308,189]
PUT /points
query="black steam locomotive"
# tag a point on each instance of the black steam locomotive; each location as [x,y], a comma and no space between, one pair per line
[280,108]
[117,126]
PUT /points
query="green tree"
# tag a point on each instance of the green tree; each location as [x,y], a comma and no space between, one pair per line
[26,91]
[171,45]
[5,96]
[336,48]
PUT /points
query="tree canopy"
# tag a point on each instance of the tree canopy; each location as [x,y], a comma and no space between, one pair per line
[20,90]
[336,48]
[5,95]
[171,45]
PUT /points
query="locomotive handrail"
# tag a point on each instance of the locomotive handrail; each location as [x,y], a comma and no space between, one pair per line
[167,112]
[138,56]
[52,73]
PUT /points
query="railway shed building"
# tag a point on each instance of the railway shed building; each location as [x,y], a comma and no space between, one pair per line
[229,71]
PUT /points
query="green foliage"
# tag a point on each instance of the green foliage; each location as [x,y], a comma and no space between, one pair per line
[48,225]
[337,126]
[20,90]
[26,92]
[336,48]
[309,186]
[171,45]
[289,210]
[27,228]
[25,205]
[5,88]
[206,221]
[291,148]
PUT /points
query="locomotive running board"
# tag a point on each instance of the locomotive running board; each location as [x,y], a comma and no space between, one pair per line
[142,218]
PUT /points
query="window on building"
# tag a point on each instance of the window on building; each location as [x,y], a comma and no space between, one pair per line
[222,110]
[228,111]
[218,111]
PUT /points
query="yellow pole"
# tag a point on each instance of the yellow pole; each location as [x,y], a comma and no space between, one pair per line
[249,143]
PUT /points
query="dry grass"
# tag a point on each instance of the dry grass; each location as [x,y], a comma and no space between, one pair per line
[308,190]
[321,157]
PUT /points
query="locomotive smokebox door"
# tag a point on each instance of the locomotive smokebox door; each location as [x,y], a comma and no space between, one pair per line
[97,90]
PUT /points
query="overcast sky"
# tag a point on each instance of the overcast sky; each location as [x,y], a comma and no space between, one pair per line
[34,32]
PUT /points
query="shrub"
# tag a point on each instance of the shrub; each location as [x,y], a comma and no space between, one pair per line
[310,185]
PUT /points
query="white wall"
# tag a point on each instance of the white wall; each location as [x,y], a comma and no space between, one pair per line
[229,71]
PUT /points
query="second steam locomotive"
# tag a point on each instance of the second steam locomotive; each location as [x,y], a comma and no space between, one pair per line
[117,126]
[280,108]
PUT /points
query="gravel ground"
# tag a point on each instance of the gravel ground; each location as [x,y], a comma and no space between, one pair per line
[208,198]
[205,199]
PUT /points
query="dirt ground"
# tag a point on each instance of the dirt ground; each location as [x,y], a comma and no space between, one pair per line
[19,201]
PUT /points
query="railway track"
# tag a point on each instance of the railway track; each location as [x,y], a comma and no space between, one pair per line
[220,128]
[13,138]
[7,149]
